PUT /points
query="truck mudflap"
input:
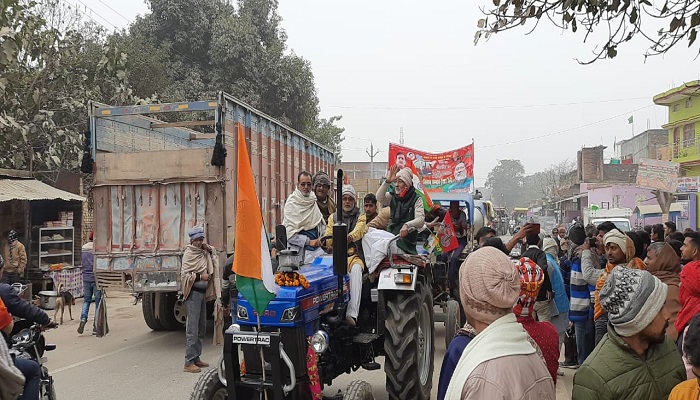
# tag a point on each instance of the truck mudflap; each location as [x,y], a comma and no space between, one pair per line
[156,281]
[233,338]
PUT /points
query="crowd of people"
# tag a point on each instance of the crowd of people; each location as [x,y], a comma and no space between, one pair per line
[624,306]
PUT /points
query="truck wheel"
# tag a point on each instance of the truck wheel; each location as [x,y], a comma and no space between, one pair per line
[171,313]
[409,343]
[148,305]
[452,322]
[358,390]
[209,387]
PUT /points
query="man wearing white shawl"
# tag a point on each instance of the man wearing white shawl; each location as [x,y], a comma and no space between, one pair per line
[303,219]
[502,361]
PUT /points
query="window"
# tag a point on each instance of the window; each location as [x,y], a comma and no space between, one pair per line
[689,135]
[688,102]
[676,107]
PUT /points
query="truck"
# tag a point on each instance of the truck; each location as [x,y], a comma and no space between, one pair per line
[155,178]
[618,216]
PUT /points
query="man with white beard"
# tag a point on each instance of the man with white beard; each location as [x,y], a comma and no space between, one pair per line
[357,227]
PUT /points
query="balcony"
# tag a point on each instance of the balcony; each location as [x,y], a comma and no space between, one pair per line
[687,150]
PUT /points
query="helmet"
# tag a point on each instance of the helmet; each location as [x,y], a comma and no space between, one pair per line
[12,236]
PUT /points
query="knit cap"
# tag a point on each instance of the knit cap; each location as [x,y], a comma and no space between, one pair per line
[406,175]
[196,232]
[632,299]
[489,284]
[350,190]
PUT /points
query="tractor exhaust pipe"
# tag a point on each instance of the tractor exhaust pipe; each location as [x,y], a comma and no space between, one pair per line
[340,243]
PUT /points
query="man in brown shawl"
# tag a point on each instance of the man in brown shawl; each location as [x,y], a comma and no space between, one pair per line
[322,187]
[201,282]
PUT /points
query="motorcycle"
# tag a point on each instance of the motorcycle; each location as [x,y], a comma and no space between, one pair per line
[28,343]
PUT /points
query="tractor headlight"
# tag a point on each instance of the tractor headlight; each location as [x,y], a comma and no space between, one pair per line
[234,328]
[242,313]
[319,341]
[291,314]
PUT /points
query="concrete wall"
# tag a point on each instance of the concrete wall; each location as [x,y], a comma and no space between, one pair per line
[362,169]
[644,145]
[620,196]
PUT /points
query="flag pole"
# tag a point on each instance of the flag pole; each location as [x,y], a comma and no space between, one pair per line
[262,356]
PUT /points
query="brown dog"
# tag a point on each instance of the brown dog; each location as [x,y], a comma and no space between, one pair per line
[64,299]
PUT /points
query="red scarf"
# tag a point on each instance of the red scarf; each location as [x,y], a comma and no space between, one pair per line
[689,294]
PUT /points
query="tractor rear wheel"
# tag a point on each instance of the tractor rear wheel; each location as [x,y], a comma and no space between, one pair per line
[409,343]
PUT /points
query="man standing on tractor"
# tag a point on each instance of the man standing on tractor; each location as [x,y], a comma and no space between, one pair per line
[303,219]
[405,211]
[406,207]
[356,223]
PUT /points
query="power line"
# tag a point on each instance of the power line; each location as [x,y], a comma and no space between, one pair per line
[565,130]
[491,107]
[115,11]
[92,11]
[115,27]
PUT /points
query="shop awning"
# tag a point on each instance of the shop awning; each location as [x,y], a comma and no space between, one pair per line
[32,189]
[655,209]
[572,198]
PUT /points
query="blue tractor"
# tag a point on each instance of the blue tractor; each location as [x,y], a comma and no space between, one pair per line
[396,321]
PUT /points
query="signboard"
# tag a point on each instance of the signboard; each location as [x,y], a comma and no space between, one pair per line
[254,338]
[688,184]
[657,175]
[448,172]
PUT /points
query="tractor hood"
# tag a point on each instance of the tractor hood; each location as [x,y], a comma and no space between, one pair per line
[294,305]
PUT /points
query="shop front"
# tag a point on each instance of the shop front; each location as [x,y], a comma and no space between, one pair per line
[48,223]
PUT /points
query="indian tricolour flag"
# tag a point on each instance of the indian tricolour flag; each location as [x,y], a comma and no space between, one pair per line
[251,260]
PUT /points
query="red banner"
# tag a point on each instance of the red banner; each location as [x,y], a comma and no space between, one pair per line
[451,171]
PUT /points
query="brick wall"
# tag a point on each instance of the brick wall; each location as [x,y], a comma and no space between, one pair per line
[590,164]
[620,173]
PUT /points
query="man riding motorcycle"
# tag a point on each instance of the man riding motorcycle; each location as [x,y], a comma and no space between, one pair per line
[21,308]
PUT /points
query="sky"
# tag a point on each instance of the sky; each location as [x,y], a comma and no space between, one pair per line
[394,65]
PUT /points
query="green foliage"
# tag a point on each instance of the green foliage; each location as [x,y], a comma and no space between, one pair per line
[54,66]
[52,63]
[327,133]
[620,19]
[507,180]
[203,46]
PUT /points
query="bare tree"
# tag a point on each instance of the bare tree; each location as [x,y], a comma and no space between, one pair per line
[553,182]
[620,19]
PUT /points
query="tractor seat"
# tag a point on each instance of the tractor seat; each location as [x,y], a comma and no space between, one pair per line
[405,259]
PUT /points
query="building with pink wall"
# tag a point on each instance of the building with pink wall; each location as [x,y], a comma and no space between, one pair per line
[620,195]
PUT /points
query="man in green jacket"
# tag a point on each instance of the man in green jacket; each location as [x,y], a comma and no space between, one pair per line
[634,360]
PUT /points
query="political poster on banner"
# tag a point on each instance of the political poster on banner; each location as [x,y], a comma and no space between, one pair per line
[448,172]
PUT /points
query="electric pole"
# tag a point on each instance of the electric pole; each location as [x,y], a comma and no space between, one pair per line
[371,153]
